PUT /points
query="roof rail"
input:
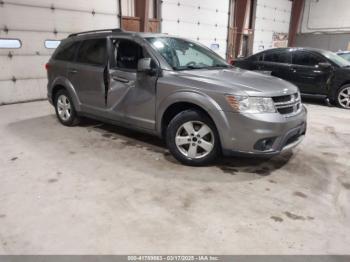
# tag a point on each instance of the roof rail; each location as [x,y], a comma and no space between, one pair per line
[115,30]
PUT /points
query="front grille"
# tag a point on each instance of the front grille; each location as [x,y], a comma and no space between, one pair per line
[288,105]
[281,99]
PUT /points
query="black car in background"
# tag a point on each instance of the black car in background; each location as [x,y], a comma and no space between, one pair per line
[316,72]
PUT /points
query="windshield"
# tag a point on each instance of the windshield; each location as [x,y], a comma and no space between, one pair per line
[336,59]
[346,56]
[184,55]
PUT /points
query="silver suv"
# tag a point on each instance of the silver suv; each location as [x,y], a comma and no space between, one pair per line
[176,89]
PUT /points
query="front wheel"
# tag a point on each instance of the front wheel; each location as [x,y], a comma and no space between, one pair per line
[192,138]
[343,97]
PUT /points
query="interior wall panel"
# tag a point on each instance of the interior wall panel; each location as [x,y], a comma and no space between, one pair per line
[326,16]
[205,21]
[22,73]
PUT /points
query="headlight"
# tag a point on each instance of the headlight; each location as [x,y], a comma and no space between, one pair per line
[251,105]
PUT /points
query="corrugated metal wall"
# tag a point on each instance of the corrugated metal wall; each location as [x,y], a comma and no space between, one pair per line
[272,16]
[205,21]
[328,41]
[326,25]
[326,16]
[22,73]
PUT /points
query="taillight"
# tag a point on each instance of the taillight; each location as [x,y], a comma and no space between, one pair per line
[47,66]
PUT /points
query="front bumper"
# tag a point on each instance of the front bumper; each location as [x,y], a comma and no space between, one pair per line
[262,134]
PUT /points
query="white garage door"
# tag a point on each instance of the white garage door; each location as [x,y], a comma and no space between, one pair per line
[30,23]
[272,22]
[205,21]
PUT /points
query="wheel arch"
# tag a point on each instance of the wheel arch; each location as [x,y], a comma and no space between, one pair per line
[64,84]
[345,83]
[181,101]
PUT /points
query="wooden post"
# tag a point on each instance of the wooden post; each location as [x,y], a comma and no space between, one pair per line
[297,9]
[141,11]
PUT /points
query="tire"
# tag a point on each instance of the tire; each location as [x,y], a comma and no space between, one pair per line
[192,138]
[343,97]
[64,108]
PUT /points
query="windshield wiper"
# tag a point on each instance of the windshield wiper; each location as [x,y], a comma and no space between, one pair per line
[192,67]
[222,65]
[218,66]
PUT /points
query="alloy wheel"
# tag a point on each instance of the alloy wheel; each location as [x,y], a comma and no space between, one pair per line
[344,98]
[195,139]
[64,107]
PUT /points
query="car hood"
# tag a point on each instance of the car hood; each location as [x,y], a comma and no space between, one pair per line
[238,81]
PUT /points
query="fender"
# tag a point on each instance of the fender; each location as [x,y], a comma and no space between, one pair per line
[62,81]
[197,98]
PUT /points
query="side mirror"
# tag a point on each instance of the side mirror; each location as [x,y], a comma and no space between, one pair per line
[144,65]
[324,65]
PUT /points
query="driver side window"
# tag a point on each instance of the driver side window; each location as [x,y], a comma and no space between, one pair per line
[127,54]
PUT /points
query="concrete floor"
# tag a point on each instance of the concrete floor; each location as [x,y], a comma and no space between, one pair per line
[98,189]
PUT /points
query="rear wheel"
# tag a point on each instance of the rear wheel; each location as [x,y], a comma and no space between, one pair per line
[343,97]
[192,138]
[64,107]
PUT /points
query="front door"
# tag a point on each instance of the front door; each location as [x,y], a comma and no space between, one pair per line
[131,93]
[308,75]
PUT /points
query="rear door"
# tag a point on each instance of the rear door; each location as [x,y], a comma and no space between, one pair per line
[88,73]
[276,63]
[63,59]
[307,74]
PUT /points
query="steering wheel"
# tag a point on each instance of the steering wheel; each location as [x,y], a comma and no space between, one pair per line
[191,63]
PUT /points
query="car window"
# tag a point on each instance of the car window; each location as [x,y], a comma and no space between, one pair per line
[257,57]
[127,54]
[306,59]
[278,57]
[183,54]
[260,57]
[193,56]
[67,52]
[93,51]
[346,56]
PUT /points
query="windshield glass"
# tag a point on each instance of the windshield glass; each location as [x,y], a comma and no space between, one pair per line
[336,59]
[184,55]
[346,56]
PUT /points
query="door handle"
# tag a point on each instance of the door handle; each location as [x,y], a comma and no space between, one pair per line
[73,71]
[120,79]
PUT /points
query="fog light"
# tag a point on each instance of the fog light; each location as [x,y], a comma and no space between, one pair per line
[264,144]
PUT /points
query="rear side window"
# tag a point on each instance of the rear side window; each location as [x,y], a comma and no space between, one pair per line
[67,51]
[257,58]
[93,52]
[306,59]
[278,57]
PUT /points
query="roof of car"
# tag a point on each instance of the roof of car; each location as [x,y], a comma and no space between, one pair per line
[299,48]
[343,52]
[112,32]
[311,49]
